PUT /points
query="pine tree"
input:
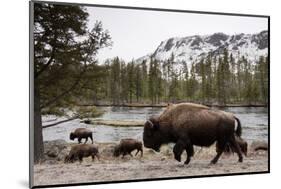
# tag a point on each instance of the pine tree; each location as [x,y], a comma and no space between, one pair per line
[124,83]
[138,83]
[232,86]
[239,79]
[174,86]
[247,81]
[151,81]
[220,82]
[214,86]
[115,81]
[226,76]
[144,80]
[131,84]
[209,78]
[159,84]
[203,79]
[61,60]
[192,82]
[187,89]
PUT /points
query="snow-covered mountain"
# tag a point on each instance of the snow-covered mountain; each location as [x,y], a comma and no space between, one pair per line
[193,48]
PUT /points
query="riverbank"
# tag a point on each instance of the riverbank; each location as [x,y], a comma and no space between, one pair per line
[161,105]
[151,165]
[116,123]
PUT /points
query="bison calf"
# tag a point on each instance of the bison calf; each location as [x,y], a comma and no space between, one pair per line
[81,133]
[126,146]
[231,149]
[80,151]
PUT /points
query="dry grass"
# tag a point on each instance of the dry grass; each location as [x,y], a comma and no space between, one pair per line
[151,165]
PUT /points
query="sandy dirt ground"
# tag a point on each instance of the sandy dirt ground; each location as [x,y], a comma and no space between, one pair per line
[151,165]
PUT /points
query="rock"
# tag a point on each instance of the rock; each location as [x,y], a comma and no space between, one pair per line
[50,161]
[108,150]
[62,154]
[61,144]
[86,121]
[55,150]
[150,151]
[259,145]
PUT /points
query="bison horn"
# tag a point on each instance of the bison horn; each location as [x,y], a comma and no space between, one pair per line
[150,123]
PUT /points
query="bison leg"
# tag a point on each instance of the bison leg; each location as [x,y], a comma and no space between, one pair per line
[130,154]
[79,140]
[178,149]
[86,140]
[98,156]
[80,158]
[137,153]
[140,151]
[91,137]
[95,155]
[189,152]
[220,148]
[124,153]
[66,159]
[237,148]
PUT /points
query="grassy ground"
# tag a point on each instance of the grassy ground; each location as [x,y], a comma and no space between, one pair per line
[151,165]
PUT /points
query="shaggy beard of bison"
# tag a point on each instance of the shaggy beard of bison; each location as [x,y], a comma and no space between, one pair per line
[154,140]
[151,144]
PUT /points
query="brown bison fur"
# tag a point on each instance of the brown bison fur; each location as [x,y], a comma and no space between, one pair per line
[188,124]
[126,146]
[81,133]
[265,148]
[231,149]
[78,152]
[259,145]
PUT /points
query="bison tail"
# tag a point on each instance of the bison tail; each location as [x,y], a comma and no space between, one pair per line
[239,128]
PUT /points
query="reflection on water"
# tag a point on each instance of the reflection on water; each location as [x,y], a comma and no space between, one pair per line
[254,123]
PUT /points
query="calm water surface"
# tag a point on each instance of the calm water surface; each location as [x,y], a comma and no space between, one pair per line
[254,124]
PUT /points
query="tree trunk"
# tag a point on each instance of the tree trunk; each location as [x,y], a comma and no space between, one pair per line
[38,136]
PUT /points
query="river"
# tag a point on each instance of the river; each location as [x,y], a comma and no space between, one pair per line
[254,123]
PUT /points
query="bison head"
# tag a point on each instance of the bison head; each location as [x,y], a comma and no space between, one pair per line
[72,136]
[116,152]
[152,137]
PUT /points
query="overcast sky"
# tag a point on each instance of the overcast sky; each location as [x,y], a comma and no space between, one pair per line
[136,33]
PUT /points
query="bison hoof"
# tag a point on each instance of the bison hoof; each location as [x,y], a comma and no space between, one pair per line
[213,162]
[187,161]
[178,158]
[240,160]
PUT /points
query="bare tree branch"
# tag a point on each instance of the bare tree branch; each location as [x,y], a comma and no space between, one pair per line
[59,122]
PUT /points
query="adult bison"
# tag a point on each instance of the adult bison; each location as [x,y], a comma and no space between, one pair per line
[189,124]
